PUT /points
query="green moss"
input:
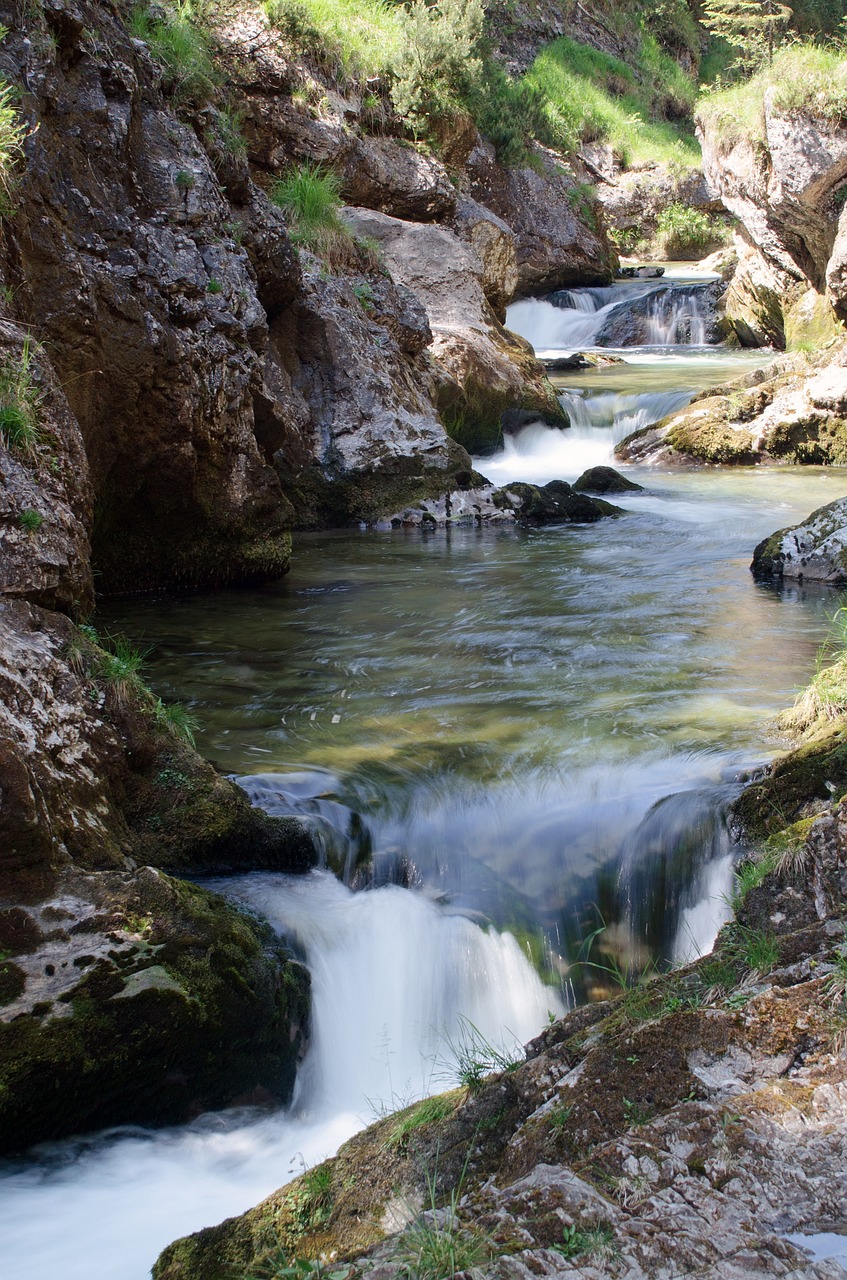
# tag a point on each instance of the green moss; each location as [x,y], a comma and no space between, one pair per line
[814,771]
[810,323]
[201,1021]
[709,437]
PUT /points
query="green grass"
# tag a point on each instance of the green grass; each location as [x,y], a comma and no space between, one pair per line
[683,232]
[175,718]
[758,949]
[12,133]
[354,40]
[436,1246]
[825,696]
[475,1058]
[803,77]
[180,44]
[119,667]
[30,520]
[20,402]
[590,96]
[429,1111]
[310,197]
[592,1242]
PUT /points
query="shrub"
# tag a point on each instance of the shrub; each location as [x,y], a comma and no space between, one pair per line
[20,402]
[683,232]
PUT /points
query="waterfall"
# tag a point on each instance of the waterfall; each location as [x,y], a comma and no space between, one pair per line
[396,981]
[633,313]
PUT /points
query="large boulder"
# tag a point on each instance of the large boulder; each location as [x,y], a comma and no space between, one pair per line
[117,993]
[812,551]
[556,246]
[794,411]
[493,242]
[487,369]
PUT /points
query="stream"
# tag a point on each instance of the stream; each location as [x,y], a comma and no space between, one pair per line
[503,739]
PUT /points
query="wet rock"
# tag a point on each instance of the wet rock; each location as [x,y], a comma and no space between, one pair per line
[556,502]
[122,1012]
[605,480]
[794,410]
[813,551]
[683,310]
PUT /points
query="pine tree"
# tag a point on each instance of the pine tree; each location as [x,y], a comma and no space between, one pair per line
[750,26]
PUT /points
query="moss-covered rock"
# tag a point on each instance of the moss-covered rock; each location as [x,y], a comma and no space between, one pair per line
[135,987]
[802,778]
[605,480]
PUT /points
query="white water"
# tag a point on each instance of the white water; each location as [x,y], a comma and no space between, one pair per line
[700,924]
[673,317]
[396,982]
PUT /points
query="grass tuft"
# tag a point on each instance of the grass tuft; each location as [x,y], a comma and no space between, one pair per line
[20,402]
[179,43]
[310,197]
[30,520]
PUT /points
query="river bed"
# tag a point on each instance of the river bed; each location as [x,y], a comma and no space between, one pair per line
[510,737]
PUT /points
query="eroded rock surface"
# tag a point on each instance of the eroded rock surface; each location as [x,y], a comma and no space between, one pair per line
[813,551]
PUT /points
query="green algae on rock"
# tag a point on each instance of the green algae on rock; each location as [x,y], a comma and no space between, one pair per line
[133,985]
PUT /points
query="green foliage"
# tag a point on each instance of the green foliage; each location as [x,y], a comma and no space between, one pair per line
[474,1057]
[684,232]
[119,667]
[750,27]
[437,1246]
[12,133]
[803,77]
[353,40]
[559,1117]
[30,520]
[279,1265]
[429,1111]
[175,718]
[310,196]
[635,1113]
[825,697]
[758,949]
[228,122]
[180,44]
[591,96]
[20,402]
[594,1242]
[750,874]
[214,286]
[439,62]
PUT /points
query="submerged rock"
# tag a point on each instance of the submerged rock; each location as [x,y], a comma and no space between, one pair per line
[813,551]
[553,503]
[605,480]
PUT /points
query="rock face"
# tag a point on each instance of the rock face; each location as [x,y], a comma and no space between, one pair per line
[555,247]
[492,369]
[690,1125]
[796,410]
[814,551]
[781,185]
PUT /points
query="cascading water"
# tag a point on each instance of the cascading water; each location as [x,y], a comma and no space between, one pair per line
[631,313]
[397,982]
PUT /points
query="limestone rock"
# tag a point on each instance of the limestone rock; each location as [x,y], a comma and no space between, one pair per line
[128,987]
[493,369]
[552,503]
[814,551]
[555,247]
[753,304]
[381,173]
[494,244]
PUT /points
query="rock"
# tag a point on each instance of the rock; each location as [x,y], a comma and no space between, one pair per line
[555,247]
[553,502]
[753,303]
[795,409]
[813,551]
[605,480]
[491,369]
[494,244]
[559,364]
[135,983]
[380,173]
[681,310]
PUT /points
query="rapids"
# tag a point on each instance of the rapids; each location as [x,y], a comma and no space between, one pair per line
[509,738]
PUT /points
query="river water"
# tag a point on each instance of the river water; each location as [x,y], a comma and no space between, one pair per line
[508,737]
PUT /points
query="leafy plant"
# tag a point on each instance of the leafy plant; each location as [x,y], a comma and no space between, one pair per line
[635,1113]
[750,27]
[279,1265]
[30,520]
[214,286]
[559,1117]
[825,697]
[20,402]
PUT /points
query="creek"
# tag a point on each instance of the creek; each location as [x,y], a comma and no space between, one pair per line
[504,739]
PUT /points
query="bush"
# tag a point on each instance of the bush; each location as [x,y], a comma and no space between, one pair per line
[310,196]
[683,232]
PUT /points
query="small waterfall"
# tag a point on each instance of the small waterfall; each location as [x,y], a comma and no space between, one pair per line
[642,313]
[397,979]
[674,869]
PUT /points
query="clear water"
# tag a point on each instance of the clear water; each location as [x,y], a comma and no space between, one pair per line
[532,727]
